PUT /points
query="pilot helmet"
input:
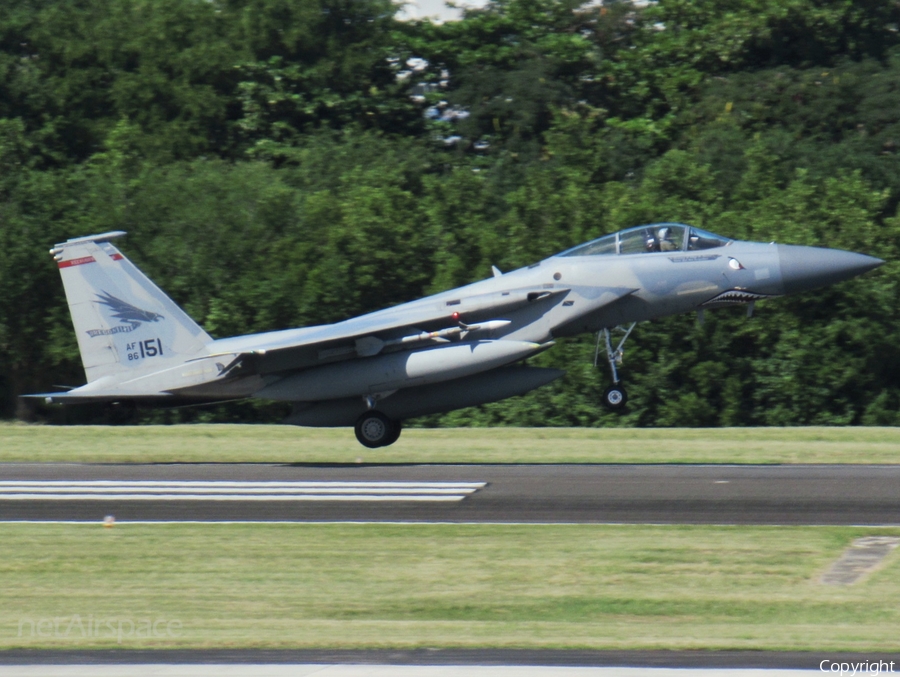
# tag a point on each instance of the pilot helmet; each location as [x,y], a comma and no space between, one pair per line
[663,233]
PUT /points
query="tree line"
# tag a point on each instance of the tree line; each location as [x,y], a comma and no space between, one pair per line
[282,163]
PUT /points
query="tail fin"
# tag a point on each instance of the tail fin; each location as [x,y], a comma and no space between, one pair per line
[122,320]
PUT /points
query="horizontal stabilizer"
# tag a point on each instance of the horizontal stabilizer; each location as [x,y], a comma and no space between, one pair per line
[95,396]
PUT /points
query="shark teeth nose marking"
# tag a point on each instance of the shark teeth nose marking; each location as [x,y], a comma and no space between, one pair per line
[736,296]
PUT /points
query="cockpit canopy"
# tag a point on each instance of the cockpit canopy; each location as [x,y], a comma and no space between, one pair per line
[656,237]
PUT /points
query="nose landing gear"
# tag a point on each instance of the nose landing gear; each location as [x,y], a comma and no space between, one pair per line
[615,396]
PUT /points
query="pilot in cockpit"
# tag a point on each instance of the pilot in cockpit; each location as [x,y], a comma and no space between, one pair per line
[664,240]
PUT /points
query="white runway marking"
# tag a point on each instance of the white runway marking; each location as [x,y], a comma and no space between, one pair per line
[158,490]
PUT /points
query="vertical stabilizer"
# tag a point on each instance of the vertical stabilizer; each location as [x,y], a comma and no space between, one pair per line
[123,321]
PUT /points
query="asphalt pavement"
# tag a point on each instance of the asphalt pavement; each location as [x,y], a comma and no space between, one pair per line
[458,658]
[639,494]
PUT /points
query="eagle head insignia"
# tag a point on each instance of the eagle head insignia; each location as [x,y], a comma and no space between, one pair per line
[127,313]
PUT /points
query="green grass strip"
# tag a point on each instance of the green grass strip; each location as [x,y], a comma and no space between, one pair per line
[372,585]
[284,444]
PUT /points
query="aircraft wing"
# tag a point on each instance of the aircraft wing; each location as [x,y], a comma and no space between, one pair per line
[441,317]
[434,319]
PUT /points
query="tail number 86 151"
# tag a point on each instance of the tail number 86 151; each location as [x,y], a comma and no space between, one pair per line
[141,349]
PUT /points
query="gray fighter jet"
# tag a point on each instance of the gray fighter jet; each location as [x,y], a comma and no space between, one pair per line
[459,348]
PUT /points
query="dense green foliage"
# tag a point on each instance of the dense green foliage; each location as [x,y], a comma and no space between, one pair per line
[272,170]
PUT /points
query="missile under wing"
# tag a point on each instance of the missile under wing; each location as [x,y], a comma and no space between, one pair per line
[455,349]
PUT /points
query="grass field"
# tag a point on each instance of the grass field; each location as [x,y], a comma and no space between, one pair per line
[376,585]
[284,444]
[370,585]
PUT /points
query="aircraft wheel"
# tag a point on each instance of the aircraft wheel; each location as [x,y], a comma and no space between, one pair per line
[615,397]
[374,429]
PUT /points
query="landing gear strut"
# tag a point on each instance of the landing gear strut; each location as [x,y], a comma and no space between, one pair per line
[615,396]
[374,429]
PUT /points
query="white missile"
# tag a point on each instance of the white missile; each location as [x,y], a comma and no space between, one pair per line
[371,375]
[372,345]
[490,325]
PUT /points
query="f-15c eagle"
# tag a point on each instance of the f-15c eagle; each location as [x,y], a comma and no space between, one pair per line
[455,349]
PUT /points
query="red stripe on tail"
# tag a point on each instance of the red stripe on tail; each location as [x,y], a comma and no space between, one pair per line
[76,262]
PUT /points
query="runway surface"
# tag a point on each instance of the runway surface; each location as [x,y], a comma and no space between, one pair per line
[664,494]
[313,670]
[459,659]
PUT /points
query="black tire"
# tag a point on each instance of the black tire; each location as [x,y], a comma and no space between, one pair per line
[395,435]
[615,397]
[374,429]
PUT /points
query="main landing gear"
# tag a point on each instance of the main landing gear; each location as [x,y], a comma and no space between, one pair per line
[615,396]
[374,429]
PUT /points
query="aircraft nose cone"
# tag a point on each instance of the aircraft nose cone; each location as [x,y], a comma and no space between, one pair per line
[805,268]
